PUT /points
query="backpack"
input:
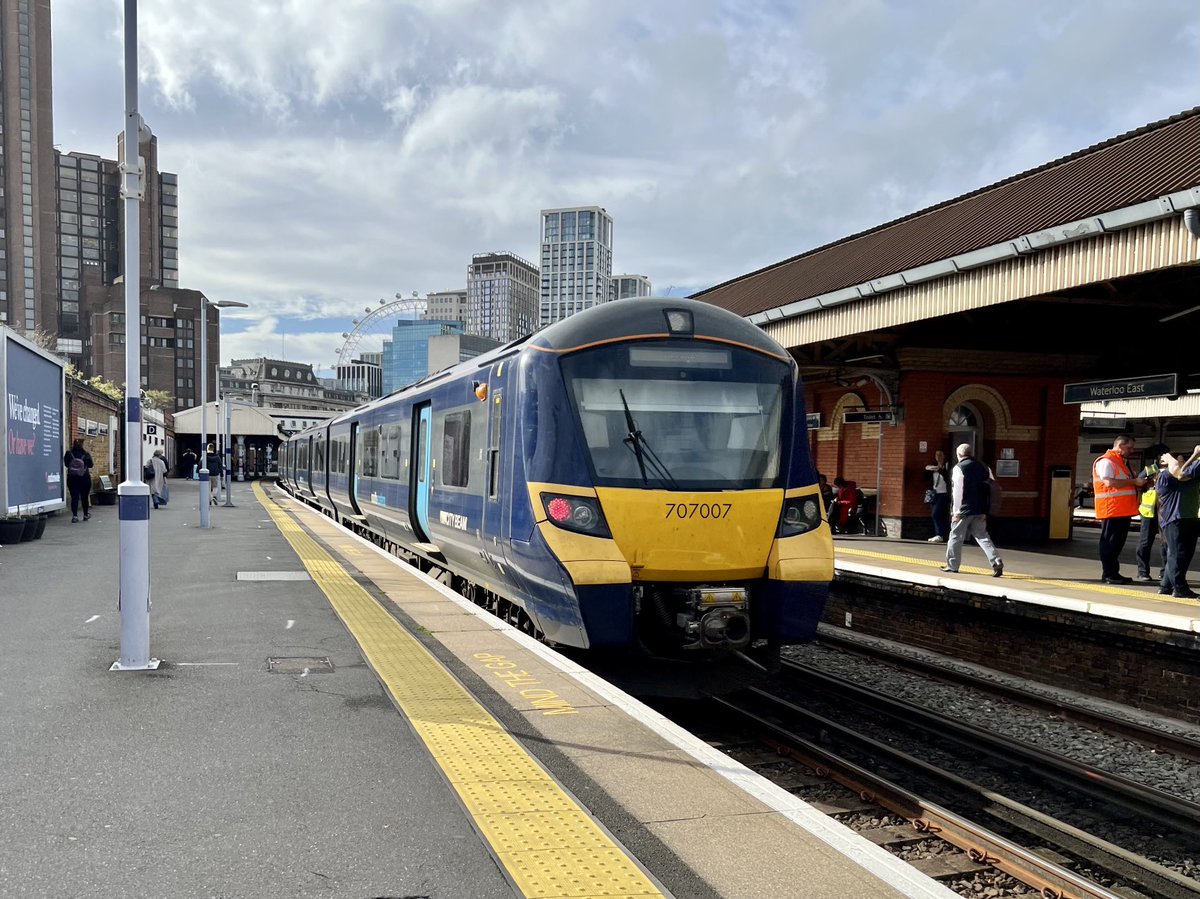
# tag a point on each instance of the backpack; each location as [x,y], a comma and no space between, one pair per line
[77,466]
[148,471]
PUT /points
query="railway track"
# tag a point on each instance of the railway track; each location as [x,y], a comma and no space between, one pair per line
[901,796]
[1174,743]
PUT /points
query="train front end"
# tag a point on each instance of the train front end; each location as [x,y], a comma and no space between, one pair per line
[686,512]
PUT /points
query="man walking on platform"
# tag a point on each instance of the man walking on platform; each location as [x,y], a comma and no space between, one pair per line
[970,490]
[1179,518]
[1116,491]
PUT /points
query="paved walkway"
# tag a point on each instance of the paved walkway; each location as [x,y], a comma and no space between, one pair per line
[213,776]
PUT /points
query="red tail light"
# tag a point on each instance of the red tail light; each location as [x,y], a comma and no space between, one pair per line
[581,514]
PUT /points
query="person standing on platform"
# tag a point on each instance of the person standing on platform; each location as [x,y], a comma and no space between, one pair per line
[939,496]
[157,469]
[1179,518]
[970,491]
[79,479]
[187,462]
[215,470]
[1116,492]
[1148,510]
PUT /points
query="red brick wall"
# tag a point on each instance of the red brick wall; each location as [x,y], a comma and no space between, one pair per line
[1032,402]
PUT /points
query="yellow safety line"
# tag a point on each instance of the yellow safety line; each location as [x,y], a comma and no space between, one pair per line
[547,843]
[1008,576]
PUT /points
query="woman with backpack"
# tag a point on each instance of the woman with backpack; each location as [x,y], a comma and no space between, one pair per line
[79,479]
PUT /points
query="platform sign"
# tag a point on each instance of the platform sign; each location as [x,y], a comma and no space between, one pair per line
[1123,389]
[869,417]
[814,420]
[31,427]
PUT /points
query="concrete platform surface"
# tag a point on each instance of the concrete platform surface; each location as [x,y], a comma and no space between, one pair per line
[1061,575]
[218,776]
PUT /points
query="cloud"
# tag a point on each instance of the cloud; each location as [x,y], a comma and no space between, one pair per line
[328,160]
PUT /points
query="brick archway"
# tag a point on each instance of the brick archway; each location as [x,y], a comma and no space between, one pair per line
[849,402]
[990,401]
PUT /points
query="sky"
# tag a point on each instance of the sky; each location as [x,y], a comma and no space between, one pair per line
[333,155]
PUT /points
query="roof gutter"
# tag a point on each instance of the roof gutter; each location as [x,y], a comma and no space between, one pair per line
[1183,201]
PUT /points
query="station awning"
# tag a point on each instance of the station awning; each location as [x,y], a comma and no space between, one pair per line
[248,421]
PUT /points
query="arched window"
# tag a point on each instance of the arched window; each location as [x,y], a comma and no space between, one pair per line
[963,427]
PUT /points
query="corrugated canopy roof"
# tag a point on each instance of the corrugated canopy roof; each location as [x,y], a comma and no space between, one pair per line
[1150,162]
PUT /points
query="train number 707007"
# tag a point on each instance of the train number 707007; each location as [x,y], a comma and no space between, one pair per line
[698,510]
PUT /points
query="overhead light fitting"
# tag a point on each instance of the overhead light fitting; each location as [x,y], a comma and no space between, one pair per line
[865,358]
[1175,315]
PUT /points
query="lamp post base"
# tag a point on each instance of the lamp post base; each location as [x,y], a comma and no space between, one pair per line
[149,666]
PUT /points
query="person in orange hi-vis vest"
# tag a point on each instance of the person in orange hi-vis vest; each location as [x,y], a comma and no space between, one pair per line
[1117,492]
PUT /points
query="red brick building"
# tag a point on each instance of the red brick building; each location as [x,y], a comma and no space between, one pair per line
[965,321]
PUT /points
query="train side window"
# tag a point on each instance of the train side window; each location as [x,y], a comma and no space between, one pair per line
[370,453]
[389,465]
[422,449]
[494,449]
[456,449]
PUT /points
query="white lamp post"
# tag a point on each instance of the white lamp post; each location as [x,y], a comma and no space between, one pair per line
[133,495]
[205,302]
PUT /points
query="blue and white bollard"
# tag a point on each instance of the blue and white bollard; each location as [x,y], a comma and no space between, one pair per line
[205,499]
[133,603]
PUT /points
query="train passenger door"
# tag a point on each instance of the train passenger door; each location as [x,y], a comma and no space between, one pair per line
[422,470]
[493,507]
[353,468]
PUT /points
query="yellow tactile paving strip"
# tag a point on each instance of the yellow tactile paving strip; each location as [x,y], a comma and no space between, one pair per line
[1011,576]
[548,845]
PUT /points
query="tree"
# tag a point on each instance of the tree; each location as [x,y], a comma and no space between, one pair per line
[158,399]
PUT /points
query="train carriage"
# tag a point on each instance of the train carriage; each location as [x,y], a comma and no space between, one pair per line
[637,475]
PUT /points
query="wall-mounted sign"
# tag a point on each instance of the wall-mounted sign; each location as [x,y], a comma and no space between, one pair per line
[1105,424]
[868,417]
[1008,453]
[814,420]
[1124,389]
[1008,468]
[151,429]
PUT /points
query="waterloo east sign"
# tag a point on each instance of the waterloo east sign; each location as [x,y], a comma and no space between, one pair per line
[1124,389]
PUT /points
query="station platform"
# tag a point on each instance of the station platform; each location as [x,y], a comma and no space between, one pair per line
[326,721]
[1062,576]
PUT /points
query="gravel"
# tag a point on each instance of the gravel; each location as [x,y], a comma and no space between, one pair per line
[1118,755]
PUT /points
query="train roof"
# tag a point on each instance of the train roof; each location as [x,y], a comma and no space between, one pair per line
[646,317]
[616,320]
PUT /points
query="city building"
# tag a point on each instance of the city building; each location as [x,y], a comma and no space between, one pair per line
[406,354]
[362,376]
[28,288]
[91,240]
[446,350]
[502,296]
[626,286]
[576,261]
[446,306]
[62,220]
[278,384]
[169,328]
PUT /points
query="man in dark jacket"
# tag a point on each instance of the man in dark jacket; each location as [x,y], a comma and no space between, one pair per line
[1179,518]
[970,483]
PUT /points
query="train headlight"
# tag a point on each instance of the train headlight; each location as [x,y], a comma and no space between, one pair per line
[800,515]
[581,514]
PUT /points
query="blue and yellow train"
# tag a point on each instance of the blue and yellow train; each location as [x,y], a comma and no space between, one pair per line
[635,476]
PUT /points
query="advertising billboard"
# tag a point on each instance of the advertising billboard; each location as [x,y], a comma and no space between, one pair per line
[31,387]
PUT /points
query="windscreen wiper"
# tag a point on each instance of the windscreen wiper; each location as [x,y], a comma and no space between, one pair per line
[641,449]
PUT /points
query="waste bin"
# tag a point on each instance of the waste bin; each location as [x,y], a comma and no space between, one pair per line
[1061,481]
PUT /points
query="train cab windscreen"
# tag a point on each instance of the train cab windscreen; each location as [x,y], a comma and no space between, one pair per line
[680,415]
